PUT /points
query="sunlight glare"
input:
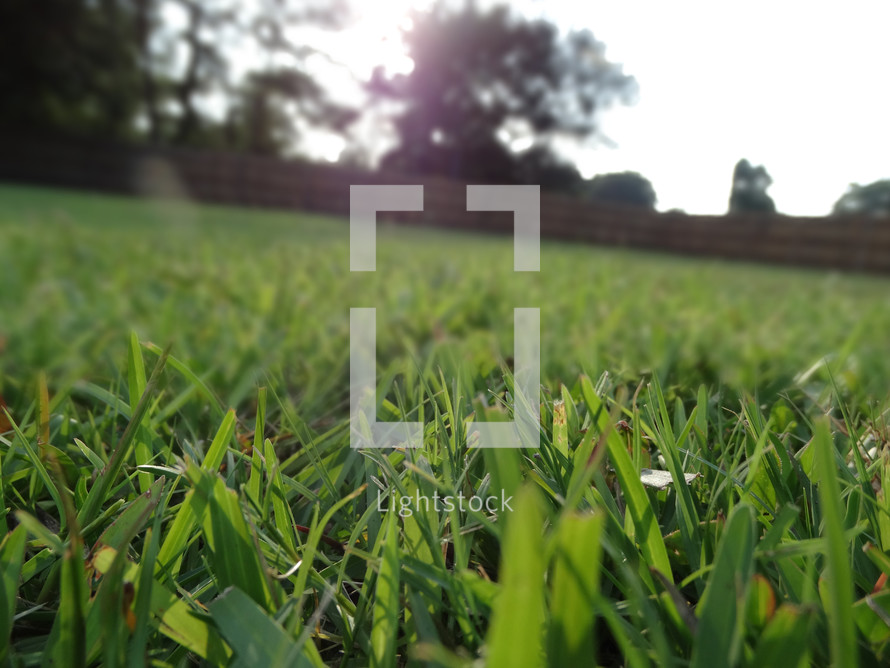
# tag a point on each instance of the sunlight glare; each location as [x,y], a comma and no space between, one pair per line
[375,39]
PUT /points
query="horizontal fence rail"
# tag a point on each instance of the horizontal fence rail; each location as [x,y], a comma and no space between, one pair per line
[852,243]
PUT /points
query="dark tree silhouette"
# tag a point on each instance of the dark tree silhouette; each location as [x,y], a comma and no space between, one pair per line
[66,68]
[113,69]
[262,107]
[480,75]
[749,186]
[873,199]
[261,118]
[258,121]
[621,188]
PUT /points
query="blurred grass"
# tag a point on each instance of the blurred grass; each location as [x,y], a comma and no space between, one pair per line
[272,291]
[186,516]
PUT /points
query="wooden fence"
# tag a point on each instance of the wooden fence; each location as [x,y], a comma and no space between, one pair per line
[857,243]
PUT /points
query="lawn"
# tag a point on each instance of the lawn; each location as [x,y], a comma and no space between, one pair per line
[178,487]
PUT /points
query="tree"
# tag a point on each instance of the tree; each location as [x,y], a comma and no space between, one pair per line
[114,69]
[749,186]
[259,121]
[68,68]
[485,81]
[267,104]
[873,199]
[265,107]
[629,188]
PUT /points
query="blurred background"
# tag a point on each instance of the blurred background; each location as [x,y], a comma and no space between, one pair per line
[175,175]
[634,102]
[753,132]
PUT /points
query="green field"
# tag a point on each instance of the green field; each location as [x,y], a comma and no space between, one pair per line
[212,511]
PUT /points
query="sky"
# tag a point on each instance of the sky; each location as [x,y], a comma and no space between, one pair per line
[799,87]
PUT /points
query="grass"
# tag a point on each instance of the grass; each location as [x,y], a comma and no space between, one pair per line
[202,505]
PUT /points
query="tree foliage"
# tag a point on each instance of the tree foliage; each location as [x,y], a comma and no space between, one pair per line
[749,186]
[873,199]
[629,188]
[484,81]
[66,68]
[119,70]
[261,118]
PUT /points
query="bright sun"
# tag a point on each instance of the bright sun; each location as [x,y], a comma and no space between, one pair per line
[374,38]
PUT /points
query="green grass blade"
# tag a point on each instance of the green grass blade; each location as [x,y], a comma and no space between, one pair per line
[176,620]
[687,515]
[784,640]
[12,554]
[40,532]
[646,530]
[234,557]
[217,450]
[67,644]
[133,518]
[284,519]
[721,612]
[99,492]
[387,609]
[189,514]
[515,637]
[142,604]
[183,369]
[40,469]
[136,382]
[255,481]
[256,639]
[837,574]
[576,574]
